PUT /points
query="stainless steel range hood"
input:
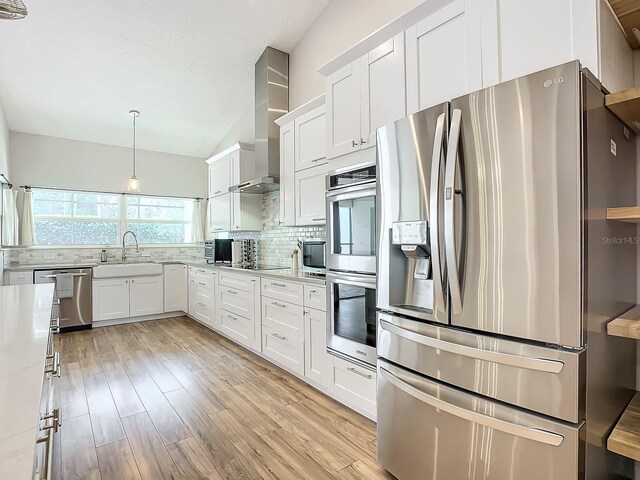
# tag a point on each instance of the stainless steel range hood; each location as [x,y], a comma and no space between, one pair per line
[272,101]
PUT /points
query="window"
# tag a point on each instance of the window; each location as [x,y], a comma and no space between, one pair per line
[84,218]
[160,219]
[75,218]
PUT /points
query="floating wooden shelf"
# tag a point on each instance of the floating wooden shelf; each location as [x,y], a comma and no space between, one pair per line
[625,437]
[624,214]
[626,325]
[626,106]
[628,13]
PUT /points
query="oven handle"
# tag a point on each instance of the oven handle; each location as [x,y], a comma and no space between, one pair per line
[529,432]
[356,279]
[363,191]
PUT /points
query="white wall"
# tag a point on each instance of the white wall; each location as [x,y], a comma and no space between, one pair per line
[57,162]
[242,130]
[4,143]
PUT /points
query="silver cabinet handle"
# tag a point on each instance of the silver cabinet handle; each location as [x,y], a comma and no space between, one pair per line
[202,283]
[436,161]
[362,141]
[354,143]
[449,221]
[56,301]
[54,368]
[538,364]
[217,192]
[232,292]
[323,219]
[47,469]
[535,434]
[278,304]
[279,337]
[357,372]
[54,325]
[316,160]
[55,420]
[313,291]
[281,285]
[231,317]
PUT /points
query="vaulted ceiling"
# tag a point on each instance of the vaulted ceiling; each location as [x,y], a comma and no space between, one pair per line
[74,68]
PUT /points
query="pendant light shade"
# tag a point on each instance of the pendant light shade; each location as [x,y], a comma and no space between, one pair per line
[133,185]
[12,10]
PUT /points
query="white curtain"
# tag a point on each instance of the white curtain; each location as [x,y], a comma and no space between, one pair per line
[9,218]
[197,231]
[27,229]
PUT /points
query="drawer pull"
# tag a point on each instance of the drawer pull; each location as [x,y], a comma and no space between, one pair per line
[277,304]
[231,317]
[323,219]
[54,368]
[279,337]
[56,301]
[202,283]
[313,292]
[357,372]
[55,417]
[232,292]
[281,285]
[54,325]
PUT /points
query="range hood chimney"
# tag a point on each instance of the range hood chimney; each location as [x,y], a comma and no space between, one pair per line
[272,101]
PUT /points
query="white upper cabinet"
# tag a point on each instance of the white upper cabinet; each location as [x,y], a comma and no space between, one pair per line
[383,98]
[231,167]
[220,213]
[365,95]
[310,139]
[287,169]
[235,212]
[310,196]
[343,111]
[444,57]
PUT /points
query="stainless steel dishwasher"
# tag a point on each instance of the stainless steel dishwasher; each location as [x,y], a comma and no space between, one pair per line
[75,312]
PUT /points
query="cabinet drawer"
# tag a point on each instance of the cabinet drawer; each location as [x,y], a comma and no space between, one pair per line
[237,282]
[315,296]
[236,301]
[21,277]
[201,273]
[236,327]
[290,292]
[204,289]
[353,385]
[287,318]
[283,349]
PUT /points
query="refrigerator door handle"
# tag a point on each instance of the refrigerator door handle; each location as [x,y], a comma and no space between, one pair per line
[449,199]
[528,432]
[538,364]
[436,161]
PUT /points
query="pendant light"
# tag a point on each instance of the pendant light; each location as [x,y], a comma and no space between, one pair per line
[12,10]
[133,185]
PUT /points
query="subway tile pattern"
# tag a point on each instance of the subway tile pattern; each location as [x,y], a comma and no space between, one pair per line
[276,243]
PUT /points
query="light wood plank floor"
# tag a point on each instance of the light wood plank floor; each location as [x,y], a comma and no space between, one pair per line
[169,399]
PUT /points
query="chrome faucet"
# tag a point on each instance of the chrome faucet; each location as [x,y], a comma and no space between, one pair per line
[124,252]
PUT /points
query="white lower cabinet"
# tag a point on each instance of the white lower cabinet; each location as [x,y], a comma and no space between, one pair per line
[315,345]
[202,295]
[237,327]
[146,296]
[110,299]
[176,288]
[116,298]
[353,385]
[238,308]
[283,349]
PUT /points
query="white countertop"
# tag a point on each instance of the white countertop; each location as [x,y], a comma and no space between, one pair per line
[25,316]
[16,268]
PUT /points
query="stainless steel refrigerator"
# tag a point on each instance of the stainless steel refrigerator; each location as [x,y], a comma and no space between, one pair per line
[497,274]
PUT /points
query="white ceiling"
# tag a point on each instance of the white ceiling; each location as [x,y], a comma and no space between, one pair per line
[74,68]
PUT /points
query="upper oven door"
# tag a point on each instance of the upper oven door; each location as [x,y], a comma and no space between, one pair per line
[351,229]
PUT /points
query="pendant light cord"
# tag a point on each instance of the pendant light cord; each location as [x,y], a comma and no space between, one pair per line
[134,145]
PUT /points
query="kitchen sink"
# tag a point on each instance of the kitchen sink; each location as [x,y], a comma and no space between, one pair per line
[126,269]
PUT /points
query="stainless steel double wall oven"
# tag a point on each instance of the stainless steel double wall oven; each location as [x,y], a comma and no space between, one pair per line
[351,261]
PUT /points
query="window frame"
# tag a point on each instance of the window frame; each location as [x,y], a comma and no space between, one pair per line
[121,221]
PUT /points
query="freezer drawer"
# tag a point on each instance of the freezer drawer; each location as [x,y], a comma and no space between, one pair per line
[545,380]
[427,430]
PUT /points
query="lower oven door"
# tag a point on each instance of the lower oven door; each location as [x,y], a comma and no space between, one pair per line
[351,303]
[427,430]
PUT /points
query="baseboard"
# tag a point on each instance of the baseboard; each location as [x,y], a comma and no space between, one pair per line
[143,318]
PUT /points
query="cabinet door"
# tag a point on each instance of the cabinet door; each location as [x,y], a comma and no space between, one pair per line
[353,385]
[443,57]
[246,211]
[382,95]
[192,298]
[343,111]
[311,139]
[176,294]
[146,296]
[287,172]
[220,177]
[315,345]
[110,299]
[220,213]
[310,196]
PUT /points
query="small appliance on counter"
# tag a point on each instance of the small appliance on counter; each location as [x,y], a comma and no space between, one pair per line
[209,251]
[243,253]
[314,256]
